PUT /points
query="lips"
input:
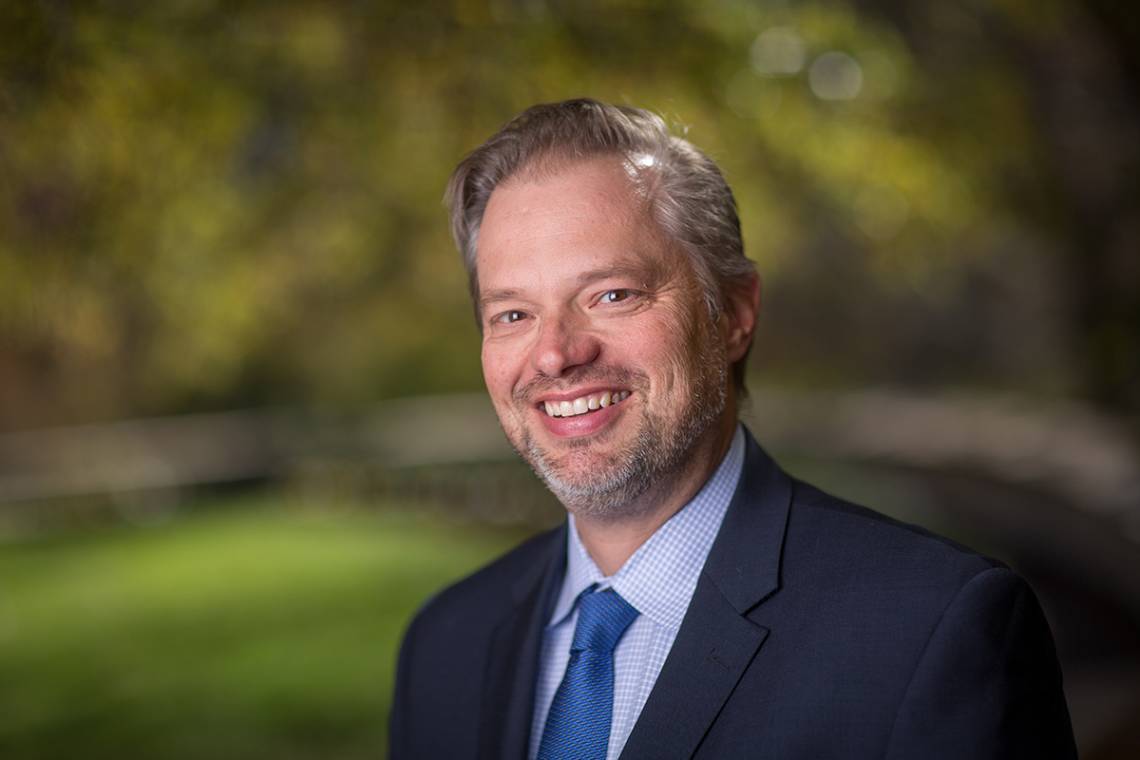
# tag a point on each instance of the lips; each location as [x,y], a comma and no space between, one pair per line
[580,420]
[582,403]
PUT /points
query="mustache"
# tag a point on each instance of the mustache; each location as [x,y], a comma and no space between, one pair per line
[618,377]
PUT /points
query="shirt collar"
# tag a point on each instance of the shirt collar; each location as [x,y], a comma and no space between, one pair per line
[661,576]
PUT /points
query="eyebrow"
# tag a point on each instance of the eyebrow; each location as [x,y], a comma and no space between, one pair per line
[644,275]
[501,294]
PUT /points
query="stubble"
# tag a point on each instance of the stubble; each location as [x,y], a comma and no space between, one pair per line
[612,488]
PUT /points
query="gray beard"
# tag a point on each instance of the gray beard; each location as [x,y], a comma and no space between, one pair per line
[655,458]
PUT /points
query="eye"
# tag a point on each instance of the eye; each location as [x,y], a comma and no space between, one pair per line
[509,317]
[616,295]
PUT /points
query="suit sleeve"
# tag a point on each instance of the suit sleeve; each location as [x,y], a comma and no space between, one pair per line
[988,684]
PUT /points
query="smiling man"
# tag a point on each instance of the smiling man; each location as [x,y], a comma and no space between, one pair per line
[698,602]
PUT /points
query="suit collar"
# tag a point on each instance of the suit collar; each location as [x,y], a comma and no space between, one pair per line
[717,641]
[677,550]
[544,575]
[744,562]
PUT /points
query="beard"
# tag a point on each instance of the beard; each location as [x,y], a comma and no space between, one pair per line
[610,487]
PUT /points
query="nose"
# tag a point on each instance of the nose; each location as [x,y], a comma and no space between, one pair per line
[563,344]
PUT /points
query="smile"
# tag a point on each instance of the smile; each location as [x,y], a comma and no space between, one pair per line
[584,404]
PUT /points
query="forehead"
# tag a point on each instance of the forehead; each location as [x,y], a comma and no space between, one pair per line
[587,215]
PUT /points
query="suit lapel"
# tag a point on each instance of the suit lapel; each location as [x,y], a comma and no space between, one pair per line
[508,693]
[712,649]
[717,641]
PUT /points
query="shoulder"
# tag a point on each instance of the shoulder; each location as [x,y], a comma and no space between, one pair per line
[937,644]
[826,546]
[452,630]
[445,650]
[829,532]
[484,593]
[845,565]
[891,567]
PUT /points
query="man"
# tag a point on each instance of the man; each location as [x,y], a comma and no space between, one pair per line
[698,602]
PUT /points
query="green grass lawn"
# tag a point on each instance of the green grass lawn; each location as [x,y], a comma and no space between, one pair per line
[252,629]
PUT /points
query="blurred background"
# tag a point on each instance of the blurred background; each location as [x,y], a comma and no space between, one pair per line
[242,432]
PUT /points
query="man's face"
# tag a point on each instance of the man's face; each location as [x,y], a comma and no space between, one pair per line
[599,354]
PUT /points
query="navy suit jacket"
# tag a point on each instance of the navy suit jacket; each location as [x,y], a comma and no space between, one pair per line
[818,629]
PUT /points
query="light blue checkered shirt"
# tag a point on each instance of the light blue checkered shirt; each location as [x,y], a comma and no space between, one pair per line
[658,580]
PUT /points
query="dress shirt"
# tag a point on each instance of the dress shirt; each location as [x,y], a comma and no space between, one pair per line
[658,580]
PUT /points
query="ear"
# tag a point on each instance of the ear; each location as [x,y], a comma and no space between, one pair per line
[743,303]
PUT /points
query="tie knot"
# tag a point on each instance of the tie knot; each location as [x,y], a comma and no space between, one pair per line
[603,617]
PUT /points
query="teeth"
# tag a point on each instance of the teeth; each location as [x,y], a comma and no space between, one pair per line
[584,404]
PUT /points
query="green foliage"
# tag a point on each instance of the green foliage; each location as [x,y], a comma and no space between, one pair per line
[256,629]
[212,204]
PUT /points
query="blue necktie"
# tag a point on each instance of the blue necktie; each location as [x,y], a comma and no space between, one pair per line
[578,724]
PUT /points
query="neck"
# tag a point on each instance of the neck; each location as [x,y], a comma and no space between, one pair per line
[612,541]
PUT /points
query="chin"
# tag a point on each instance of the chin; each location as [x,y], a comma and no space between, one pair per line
[606,483]
[608,494]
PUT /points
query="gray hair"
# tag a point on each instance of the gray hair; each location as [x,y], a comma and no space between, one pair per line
[690,199]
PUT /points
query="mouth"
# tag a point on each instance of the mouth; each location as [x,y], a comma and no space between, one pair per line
[583,404]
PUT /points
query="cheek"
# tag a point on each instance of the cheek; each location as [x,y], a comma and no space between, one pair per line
[497,371]
[658,353]
[491,368]
[676,343]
